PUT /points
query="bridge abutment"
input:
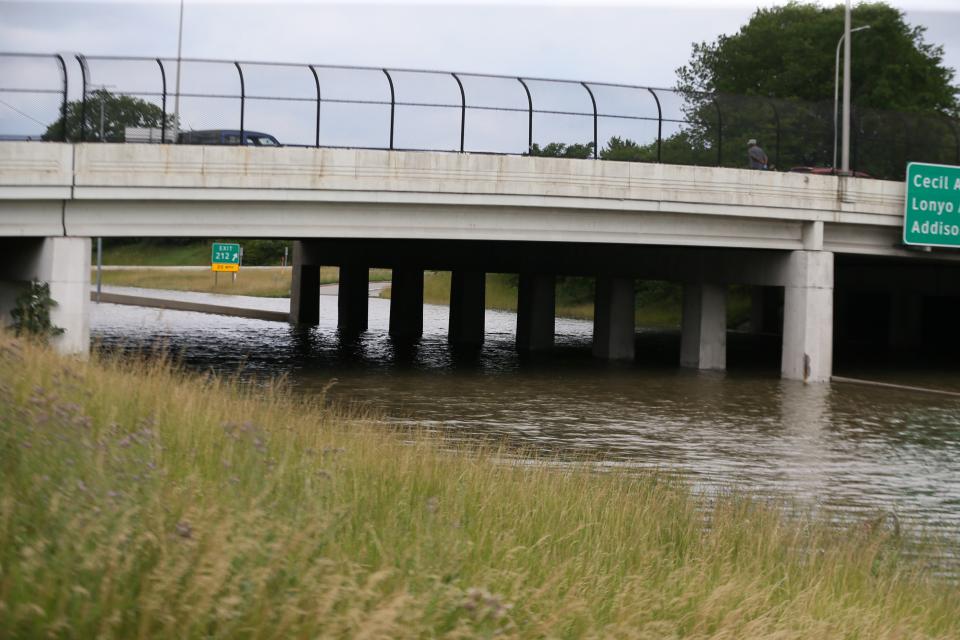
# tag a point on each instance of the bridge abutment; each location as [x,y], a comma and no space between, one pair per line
[467,307]
[64,264]
[703,339]
[613,318]
[808,317]
[304,287]
[406,303]
[536,310]
[353,295]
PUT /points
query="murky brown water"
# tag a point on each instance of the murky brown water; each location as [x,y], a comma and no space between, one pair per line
[843,448]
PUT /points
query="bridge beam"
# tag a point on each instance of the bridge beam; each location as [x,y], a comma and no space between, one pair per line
[613,318]
[406,303]
[536,310]
[353,295]
[64,264]
[703,340]
[304,287]
[808,317]
[467,311]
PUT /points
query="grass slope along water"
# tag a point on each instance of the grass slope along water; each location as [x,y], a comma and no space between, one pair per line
[137,501]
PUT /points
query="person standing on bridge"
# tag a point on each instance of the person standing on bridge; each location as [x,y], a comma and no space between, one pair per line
[755,155]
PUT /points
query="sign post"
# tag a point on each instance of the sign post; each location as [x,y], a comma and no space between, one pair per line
[931,215]
[225,257]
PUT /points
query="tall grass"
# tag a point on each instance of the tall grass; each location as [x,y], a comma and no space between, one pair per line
[138,502]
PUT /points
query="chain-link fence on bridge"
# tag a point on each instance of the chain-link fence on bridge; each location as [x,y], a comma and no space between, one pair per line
[96,98]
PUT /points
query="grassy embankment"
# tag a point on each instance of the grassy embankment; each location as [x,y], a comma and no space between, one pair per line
[138,502]
[658,307]
[271,283]
[268,282]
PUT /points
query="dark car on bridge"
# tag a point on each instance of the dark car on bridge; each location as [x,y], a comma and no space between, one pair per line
[228,137]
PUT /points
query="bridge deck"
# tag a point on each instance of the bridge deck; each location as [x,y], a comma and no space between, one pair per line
[165,190]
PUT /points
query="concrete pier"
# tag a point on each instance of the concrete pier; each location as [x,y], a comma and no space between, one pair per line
[304,288]
[467,310]
[808,317]
[64,264]
[613,318]
[536,310]
[703,340]
[352,298]
[406,303]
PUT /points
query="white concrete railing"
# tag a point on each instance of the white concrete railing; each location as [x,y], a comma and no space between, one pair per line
[163,190]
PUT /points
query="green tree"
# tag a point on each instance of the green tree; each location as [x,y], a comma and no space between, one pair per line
[119,112]
[788,52]
[774,81]
[562,150]
[626,150]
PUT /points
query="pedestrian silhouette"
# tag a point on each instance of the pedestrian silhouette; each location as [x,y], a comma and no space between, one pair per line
[756,158]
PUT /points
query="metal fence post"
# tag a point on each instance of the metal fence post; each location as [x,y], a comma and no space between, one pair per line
[855,126]
[63,102]
[83,97]
[316,81]
[907,146]
[956,135]
[592,100]
[463,109]
[393,105]
[243,99]
[530,107]
[776,120]
[656,99]
[719,132]
[163,103]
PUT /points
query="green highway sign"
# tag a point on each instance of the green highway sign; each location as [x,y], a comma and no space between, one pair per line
[225,257]
[931,214]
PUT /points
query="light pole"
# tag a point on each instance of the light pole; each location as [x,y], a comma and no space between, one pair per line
[836,98]
[103,97]
[176,96]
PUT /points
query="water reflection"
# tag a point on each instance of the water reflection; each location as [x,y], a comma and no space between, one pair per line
[842,448]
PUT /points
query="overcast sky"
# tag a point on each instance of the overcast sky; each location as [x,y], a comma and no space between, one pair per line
[630,42]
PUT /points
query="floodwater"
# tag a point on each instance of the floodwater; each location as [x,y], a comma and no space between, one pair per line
[845,449]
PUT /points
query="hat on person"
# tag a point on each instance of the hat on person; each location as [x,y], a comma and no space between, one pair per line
[751,142]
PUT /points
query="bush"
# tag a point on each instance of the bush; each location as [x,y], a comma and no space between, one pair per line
[31,312]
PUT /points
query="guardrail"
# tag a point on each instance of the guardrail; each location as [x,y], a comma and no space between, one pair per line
[320,105]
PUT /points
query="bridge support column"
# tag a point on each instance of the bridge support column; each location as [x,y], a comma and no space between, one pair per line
[467,310]
[62,263]
[703,340]
[808,317]
[304,288]
[406,303]
[613,319]
[353,295]
[536,308]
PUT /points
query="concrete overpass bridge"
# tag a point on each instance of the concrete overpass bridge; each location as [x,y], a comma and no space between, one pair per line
[471,214]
